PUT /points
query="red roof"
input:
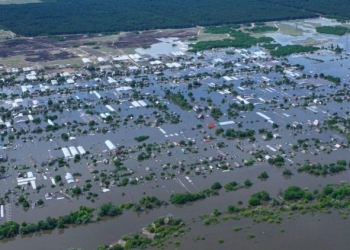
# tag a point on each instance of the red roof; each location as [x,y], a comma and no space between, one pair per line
[211,125]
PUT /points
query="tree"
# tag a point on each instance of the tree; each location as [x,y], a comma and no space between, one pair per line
[50,223]
[25,204]
[102,248]
[21,199]
[37,120]
[76,158]
[263,175]
[287,172]
[216,113]
[254,201]
[58,178]
[293,193]
[216,186]
[278,160]
[64,136]
[176,243]
[248,183]
[141,138]
[117,247]
[232,209]
[269,135]
[219,131]
[76,191]
[9,229]
[231,186]
[60,223]
[183,198]
[124,181]
[108,209]
[341,162]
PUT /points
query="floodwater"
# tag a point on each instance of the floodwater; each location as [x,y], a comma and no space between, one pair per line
[308,30]
[305,232]
[166,46]
[301,230]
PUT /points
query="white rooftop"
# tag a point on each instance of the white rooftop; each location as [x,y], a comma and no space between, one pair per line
[156,62]
[133,67]
[86,60]
[31,77]
[100,59]
[121,58]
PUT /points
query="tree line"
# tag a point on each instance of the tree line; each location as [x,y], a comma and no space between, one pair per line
[92,16]
[335,8]
[84,215]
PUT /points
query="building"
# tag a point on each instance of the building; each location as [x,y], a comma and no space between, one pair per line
[297,125]
[211,125]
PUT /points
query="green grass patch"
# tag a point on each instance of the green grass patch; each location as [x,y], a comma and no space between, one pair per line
[333,30]
[292,49]
[237,39]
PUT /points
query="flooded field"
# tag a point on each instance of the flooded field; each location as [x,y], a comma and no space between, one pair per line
[304,32]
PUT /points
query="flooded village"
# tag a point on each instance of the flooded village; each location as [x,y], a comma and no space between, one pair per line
[163,120]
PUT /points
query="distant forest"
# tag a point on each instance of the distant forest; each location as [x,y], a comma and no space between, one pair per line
[336,8]
[93,16]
